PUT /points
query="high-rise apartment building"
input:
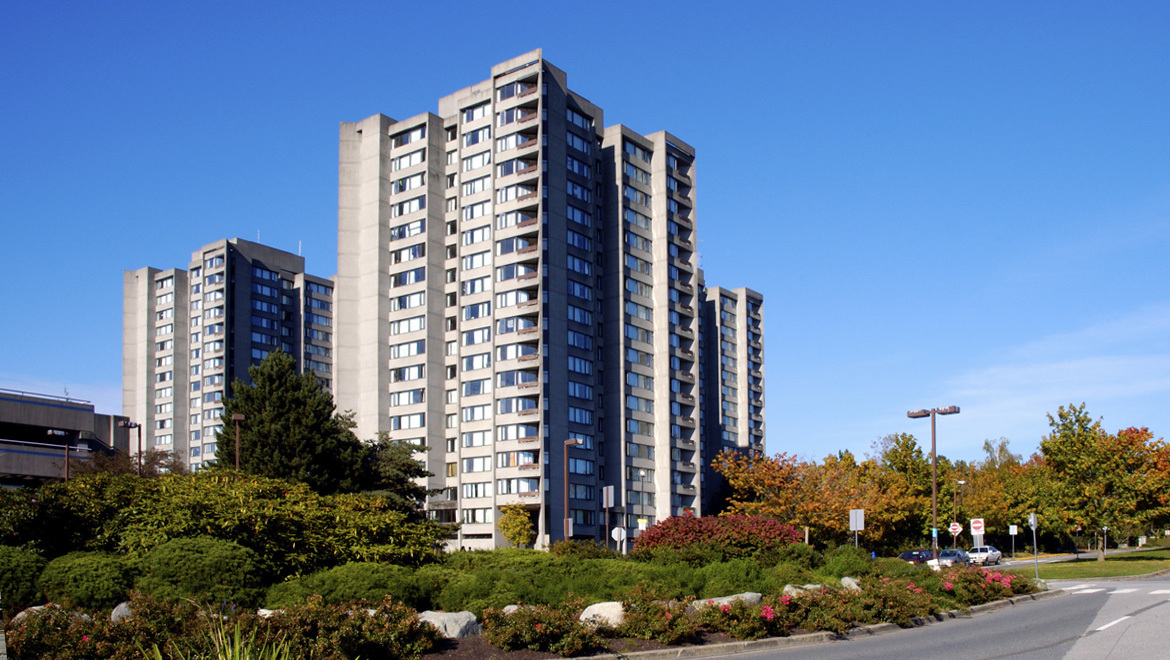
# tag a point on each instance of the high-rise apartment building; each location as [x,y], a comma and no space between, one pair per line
[187,334]
[518,291]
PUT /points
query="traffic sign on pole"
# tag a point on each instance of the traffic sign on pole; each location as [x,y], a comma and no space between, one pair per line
[956,528]
[977,526]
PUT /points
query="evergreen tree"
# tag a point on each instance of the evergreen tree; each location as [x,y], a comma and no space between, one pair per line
[289,430]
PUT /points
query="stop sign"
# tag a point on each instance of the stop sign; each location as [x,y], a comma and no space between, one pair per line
[976,525]
[956,528]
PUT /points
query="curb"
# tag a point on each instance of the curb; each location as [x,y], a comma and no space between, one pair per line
[806,639]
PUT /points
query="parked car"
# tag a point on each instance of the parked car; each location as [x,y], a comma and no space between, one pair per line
[984,555]
[916,556]
[950,557]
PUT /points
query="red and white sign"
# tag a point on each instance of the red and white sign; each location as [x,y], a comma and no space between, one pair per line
[956,528]
[976,526]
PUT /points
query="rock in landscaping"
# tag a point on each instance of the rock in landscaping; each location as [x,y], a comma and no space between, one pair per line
[606,614]
[452,625]
[796,590]
[750,598]
[121,612]
[26,613]
[850,584]
[265,614]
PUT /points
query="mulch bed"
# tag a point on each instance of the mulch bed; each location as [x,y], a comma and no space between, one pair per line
[477,648]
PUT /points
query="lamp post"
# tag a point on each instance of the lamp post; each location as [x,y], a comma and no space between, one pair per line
[955,508]
[571,442]
[135,425]
[916,414]
[237,418]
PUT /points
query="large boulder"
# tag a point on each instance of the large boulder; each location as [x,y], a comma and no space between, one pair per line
[452,625]
[795,590]
[604,614]
[121,612]
[749,598]
[850,584]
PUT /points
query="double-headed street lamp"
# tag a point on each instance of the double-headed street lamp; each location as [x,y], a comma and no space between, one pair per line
[916,414]
[571,442]
[135,425]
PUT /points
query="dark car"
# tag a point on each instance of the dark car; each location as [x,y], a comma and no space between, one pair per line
[916,556]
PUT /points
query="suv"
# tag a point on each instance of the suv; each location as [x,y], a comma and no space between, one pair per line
[984,555]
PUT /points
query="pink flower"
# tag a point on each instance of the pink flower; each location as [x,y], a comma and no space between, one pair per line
[948,586]
[538,626]
[710,602]
[725,608]
[668,616]
[85,638]
[784,600]
[767,612]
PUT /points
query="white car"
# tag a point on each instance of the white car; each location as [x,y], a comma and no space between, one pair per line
[984,555]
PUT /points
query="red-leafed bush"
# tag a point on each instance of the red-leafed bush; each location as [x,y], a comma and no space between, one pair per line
[715,537]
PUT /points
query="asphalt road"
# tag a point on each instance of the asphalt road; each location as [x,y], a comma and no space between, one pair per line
[1105,619]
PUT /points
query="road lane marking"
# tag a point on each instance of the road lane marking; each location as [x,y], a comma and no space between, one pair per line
[1123,591]
[1077,586]
[1089,591]
[1160,591]
[1112,623]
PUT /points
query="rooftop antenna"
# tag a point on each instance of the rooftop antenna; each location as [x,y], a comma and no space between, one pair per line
[257,235]
[298,248]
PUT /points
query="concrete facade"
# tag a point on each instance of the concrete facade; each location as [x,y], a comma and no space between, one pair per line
[36,431]
[518,292]
[187,334]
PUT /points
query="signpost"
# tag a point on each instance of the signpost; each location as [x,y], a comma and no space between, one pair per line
[619,537]
[856,523]
[955,529]
[977,531]
[1035,548]
[1012,529]
[607,501]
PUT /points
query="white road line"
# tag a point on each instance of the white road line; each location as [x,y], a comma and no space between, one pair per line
[1089,591]
[1077,586]
[1160,591]
[1111,623]
[1123,591]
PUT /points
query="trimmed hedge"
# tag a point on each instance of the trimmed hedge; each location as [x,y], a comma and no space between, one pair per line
[203,569]
[358,581]
[87,580]
[19,569]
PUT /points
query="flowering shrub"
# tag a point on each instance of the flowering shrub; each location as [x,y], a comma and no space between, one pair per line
[743,621]
[733,536]
[823,609]
[648,616]
[316,631]
[541,628]
[973,586]
[895,600]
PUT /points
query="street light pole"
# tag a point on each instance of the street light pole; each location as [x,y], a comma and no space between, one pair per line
[571,442]
[135,425]
[917,414]
[237,418]
[955,507]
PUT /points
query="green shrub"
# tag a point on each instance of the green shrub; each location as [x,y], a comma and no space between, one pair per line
[582,549]
[541,628]
[778,576]
[349,582]
[800,554]
[316,631]
[203,569]
[19,569]
[730,577]
[649,616]
[822,609]
[847,561]
[87,580]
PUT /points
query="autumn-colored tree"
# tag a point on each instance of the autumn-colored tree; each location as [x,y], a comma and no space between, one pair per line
[515,524]
[1101,479]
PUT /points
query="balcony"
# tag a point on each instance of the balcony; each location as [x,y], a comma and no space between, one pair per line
[685,309]
[530,466]
[531,249]
[687,399]
[685,376]
[684,443]
[685,421]
[687,465]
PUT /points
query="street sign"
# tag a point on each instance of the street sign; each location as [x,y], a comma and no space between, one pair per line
[856,520]
[1032,521]
[618,534]
[934,533]
[1013,530]
[956,528]
[977,526]
[607,497]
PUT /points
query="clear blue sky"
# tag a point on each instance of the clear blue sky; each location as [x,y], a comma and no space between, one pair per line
[942,203]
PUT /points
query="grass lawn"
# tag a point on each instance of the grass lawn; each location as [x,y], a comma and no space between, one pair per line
[1087,568]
